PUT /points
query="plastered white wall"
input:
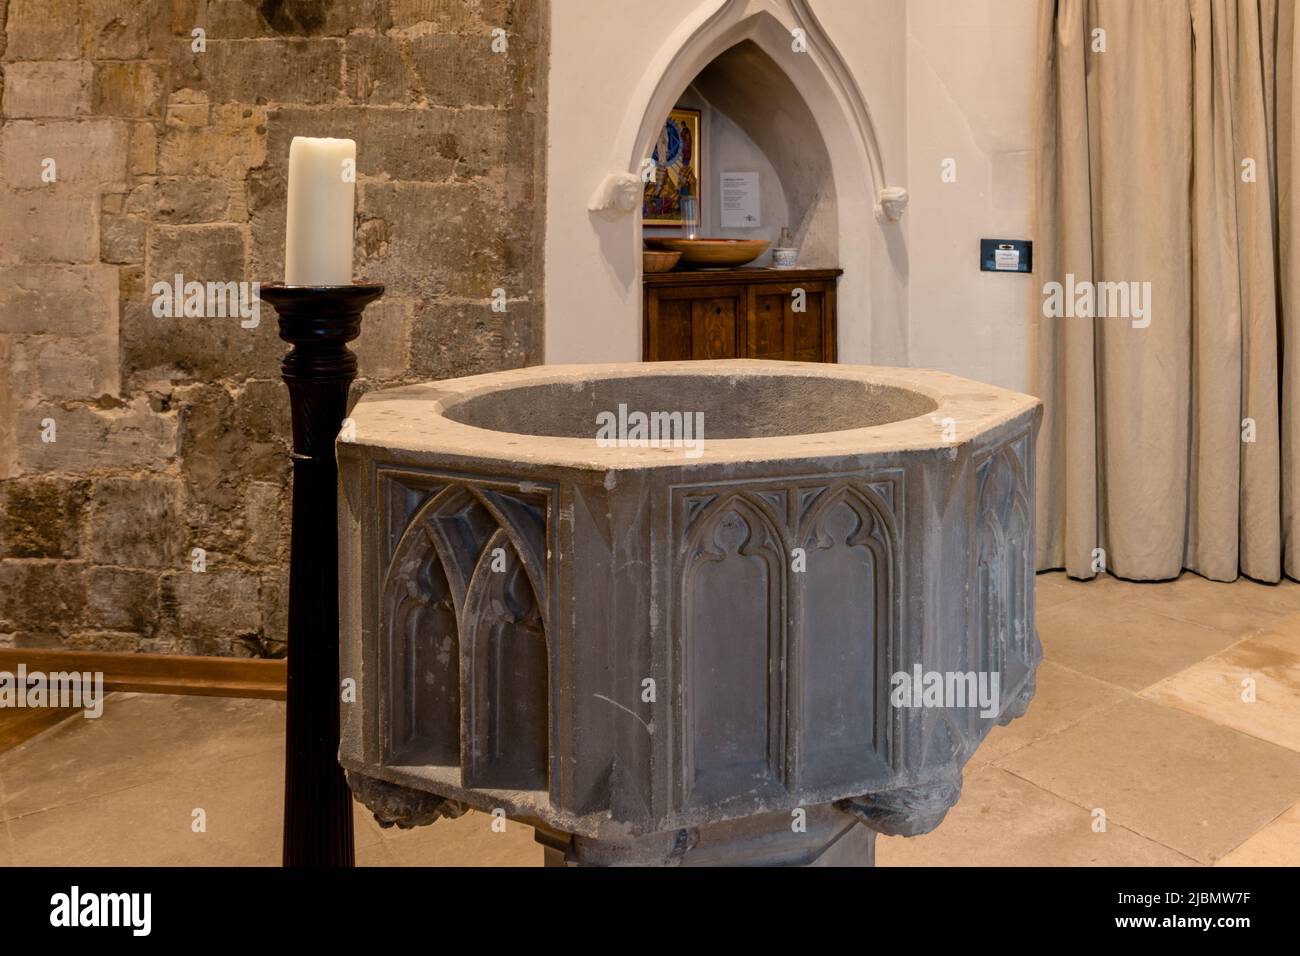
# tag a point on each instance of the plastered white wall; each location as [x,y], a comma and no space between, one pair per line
[970,76]
[599,51]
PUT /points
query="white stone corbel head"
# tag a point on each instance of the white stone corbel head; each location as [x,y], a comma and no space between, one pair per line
[617,195]
[890,203]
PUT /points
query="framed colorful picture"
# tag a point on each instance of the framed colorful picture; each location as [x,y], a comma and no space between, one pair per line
[676,175]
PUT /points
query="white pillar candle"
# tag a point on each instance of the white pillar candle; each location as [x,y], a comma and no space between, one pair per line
[322,195]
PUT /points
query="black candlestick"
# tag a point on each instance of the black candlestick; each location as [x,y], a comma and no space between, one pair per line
[318,321]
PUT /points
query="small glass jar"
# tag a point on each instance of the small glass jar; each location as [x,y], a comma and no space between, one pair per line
[690,215]
[786,253]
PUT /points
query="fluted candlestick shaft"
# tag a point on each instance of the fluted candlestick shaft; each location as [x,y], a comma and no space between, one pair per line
[318,321]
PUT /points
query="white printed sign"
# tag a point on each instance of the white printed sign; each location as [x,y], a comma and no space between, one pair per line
[1006,258]
[741,207]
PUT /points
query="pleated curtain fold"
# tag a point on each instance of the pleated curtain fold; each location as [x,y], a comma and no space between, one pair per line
[1166,155]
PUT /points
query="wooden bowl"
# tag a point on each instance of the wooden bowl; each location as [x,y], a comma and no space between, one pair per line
[717,253]
[658,261]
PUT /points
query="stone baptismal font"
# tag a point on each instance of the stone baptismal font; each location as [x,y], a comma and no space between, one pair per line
[692,613]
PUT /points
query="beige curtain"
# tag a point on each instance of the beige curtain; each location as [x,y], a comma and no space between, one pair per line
[1170,158]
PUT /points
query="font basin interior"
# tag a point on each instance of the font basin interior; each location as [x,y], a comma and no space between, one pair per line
[732,407]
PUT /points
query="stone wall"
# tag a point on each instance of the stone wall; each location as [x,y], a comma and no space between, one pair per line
[169,434]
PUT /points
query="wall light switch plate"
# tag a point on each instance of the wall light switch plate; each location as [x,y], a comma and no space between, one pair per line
[1006,255]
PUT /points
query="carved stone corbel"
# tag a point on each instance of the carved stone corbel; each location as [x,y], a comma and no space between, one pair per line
[1018,705]
[890,203]
[908,811]
[617,195]
[399,806]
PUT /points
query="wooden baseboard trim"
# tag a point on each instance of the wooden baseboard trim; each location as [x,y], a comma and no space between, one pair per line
[160,673]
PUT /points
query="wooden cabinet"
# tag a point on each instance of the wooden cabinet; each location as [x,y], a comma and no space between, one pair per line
[740,313]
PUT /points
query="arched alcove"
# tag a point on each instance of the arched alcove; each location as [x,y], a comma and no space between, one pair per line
[753,119]
[794,40]
[770,68]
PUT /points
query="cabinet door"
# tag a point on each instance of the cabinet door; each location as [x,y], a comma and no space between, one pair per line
[814,327]
[791,321]
[715,324]
[694,322]
[770,323]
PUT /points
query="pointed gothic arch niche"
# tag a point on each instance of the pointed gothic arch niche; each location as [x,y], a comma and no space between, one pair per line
[733,583]
[832,157]
[846,626]
[747,97]
[463,638]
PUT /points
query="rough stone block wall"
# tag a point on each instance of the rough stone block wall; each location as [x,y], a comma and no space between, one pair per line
[170,434]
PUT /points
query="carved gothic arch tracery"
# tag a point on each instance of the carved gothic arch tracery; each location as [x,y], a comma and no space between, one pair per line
[464,638]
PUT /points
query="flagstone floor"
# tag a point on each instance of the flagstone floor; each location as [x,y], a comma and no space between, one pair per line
[1139,724]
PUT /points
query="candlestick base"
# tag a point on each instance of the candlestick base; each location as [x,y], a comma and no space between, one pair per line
[318,321]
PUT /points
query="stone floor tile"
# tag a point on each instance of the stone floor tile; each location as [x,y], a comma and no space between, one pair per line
[1185,782]
[1238,608]
[1278,844]
[140,737]
[81,818]
[1002,820]
[1213,688]
[1122,642]
[152,823]
[1062,698]
[1055,588]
